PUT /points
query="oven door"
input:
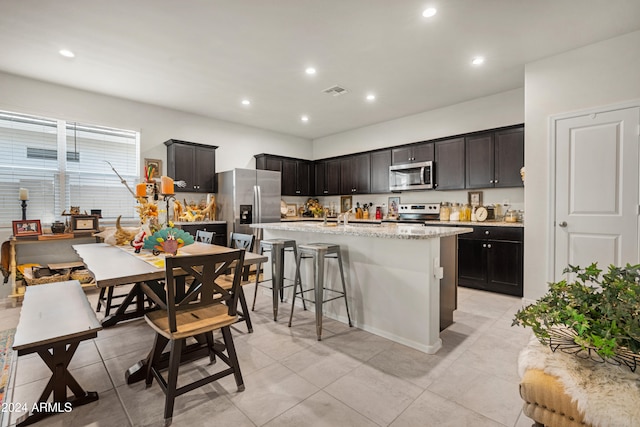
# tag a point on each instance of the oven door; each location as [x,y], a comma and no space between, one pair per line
[412,176]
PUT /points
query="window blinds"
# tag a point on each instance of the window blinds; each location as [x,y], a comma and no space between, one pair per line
[65,164]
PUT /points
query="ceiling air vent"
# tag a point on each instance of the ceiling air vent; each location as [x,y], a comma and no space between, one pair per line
[335,90]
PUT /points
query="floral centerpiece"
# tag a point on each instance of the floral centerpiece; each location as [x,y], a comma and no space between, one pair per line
[594,315]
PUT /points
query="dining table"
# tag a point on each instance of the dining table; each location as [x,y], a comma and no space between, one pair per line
[117,265]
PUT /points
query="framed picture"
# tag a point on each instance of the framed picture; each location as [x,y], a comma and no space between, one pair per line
[475,198]
[292,209]
[345,203]
[152,167]
[29,227]
[394,203]
[88,223]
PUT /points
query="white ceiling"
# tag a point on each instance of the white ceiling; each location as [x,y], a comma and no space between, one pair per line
[205,56]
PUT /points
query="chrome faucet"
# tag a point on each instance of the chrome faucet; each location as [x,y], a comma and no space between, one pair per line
[345,217]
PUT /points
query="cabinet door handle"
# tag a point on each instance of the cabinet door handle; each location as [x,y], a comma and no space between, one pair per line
[486,232]
[495,181]
[484,245]
[489,245]
[563,224]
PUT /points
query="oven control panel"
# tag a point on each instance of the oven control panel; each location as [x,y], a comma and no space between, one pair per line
[419,208]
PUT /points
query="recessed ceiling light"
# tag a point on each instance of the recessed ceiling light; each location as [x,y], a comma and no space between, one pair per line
[304,118]
[477,60]
[310,70]
[429,12]
[246,102]
[371,97]
[66,53]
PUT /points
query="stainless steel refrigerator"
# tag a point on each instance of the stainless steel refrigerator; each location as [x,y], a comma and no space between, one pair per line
[247,196]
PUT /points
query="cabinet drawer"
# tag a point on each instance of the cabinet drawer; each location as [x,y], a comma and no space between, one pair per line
[495,233]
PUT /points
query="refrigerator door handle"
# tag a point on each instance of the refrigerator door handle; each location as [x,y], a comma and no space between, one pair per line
[258,202]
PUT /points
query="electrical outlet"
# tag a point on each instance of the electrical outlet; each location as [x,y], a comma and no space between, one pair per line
[505,202]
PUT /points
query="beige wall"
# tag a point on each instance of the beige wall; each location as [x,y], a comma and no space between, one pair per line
[600,74]
[237,143]
[502,109]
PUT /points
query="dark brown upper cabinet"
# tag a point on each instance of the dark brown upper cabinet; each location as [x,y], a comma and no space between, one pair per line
[327,177]
[449,164]
[296,174]
[355,174]
[509,157]
[494,159]
[413,153]
[380,162]
[193,163]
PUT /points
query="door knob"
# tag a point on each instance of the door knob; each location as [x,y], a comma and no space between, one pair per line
[563,224]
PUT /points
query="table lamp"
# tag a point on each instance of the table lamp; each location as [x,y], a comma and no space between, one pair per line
[24,196]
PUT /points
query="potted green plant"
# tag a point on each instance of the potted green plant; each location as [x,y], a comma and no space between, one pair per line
[598,312]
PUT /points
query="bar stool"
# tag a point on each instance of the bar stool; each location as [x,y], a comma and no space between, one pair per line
[277,247]
[320,251]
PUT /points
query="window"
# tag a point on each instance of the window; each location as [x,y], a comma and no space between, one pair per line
[64,164]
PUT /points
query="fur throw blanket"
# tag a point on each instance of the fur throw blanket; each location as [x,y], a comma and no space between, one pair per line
[607,395]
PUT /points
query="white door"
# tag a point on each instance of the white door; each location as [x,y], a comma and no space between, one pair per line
[597,190]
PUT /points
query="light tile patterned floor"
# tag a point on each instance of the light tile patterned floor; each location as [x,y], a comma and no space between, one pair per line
[350,378]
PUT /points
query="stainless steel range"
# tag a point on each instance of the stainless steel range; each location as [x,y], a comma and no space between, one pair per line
[419,212]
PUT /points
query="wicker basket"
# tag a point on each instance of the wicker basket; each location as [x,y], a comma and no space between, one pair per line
[61,276]
[83,276]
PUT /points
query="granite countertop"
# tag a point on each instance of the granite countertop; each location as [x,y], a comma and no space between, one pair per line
[489,223]
[386,230]
[198,222]
[329,219]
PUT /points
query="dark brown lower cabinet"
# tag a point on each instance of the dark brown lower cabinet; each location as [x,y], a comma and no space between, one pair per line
[220,228]
[491,259]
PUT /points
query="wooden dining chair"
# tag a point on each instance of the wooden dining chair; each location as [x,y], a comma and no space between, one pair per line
[199,311]
[205,236]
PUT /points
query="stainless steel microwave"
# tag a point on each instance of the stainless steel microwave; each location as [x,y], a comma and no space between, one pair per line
[411,176]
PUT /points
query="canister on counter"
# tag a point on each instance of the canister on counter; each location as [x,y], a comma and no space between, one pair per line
[465,213]
[445,211]
[455,212]
[498,212]
[511,216]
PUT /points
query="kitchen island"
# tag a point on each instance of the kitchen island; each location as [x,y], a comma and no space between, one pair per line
[401,279]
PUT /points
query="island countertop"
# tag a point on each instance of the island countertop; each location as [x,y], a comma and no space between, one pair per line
[389,231]
[408,269]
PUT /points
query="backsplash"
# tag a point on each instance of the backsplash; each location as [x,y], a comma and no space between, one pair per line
[513,197]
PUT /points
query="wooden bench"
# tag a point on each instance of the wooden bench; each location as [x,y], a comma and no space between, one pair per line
[54,319]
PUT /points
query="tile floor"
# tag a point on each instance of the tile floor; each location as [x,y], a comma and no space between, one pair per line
[350,378]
